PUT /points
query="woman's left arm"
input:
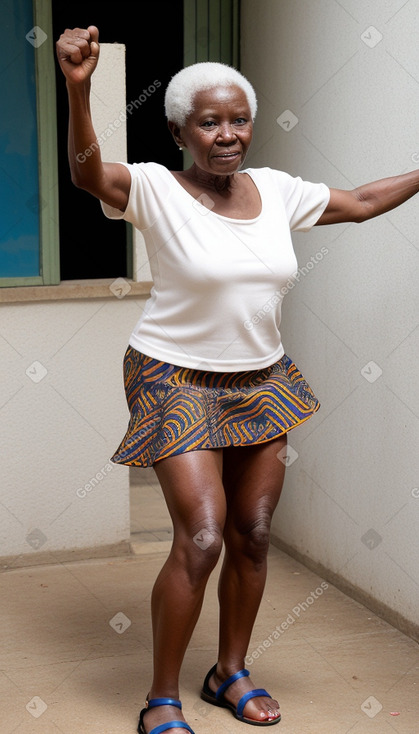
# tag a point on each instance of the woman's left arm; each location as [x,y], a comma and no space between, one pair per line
[370,200]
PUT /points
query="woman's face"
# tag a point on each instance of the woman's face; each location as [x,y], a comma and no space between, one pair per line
[219,131]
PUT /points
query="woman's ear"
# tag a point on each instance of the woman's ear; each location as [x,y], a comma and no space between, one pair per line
[175,130]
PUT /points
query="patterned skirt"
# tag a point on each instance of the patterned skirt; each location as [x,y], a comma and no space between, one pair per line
[175,409]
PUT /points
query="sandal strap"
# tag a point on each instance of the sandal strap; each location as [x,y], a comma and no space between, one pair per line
[171,725]
[153,702]
[227,683]
[247,696]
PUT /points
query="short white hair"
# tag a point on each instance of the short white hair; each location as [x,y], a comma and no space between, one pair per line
[182,88]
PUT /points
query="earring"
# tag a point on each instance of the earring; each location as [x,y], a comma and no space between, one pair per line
[180,147]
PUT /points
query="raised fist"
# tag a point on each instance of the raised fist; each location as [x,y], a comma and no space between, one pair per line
[78,53]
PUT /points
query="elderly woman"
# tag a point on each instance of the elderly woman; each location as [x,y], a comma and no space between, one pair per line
[211,399]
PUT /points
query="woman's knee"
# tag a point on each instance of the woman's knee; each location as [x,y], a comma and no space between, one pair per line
[251,539]
[199,550]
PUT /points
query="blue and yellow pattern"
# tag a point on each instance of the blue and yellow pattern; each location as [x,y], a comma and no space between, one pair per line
[175,409]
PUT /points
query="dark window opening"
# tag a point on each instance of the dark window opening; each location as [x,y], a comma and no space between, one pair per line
[91,246]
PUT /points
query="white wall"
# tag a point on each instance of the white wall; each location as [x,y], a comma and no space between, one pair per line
[348,73]
[62,415]
[62,403]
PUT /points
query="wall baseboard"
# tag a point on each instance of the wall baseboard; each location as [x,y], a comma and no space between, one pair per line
[406,626]
[26,560]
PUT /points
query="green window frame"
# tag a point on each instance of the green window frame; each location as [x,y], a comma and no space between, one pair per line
[211,33]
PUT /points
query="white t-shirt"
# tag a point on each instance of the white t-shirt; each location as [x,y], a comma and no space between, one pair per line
[218,283]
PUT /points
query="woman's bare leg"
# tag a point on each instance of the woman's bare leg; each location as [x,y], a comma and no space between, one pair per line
[253,478]
[194,493]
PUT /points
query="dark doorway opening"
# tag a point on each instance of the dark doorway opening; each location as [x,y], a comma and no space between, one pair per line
[90,245]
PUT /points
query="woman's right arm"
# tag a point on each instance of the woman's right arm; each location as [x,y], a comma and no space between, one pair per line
[78,54]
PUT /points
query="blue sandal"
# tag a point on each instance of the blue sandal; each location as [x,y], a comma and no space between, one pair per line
[151,703]
[217,699]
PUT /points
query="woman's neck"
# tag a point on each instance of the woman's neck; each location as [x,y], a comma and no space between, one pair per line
[209,181]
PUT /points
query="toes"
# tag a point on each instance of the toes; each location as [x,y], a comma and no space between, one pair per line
[263,709]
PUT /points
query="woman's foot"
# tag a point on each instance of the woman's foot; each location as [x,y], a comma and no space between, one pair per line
[259,709]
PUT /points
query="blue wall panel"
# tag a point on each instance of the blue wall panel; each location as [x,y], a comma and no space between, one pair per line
[19,185]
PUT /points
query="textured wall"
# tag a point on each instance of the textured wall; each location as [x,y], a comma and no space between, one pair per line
[63,412]
[337,84]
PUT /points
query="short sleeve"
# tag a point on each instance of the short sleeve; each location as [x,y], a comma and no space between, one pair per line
[304,201]
[110,211]
[148,192]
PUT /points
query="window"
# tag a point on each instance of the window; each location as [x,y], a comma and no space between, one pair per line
[52,231]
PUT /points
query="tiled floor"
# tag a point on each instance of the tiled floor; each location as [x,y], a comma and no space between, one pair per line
[76,647]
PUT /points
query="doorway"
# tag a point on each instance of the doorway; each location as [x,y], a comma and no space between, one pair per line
[101,248]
